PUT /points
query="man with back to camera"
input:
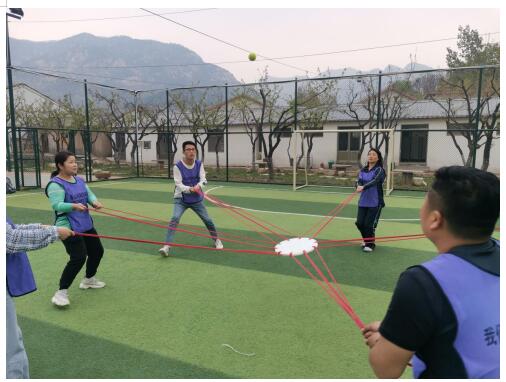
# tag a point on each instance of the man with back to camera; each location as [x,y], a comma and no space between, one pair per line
[444,314]
[189,177]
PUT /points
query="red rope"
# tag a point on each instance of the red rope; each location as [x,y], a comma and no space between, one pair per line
[331,293]
[332,276]
[177,245]
[352,314]
[345,243]
[251,215]
[317,223]
[175,229]
[222,234]
[247,222]
[342,205]
[414,236]
[237,212]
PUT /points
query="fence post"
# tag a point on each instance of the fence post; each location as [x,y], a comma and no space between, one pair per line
[477,114]
[136,135]
[169,135]
[294,140]
[379,107]
[36,153]
[226,128]
[86,140]
[8,149]
[11,109]
[20,153]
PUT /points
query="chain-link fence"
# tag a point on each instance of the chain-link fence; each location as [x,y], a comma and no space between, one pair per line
[247,133]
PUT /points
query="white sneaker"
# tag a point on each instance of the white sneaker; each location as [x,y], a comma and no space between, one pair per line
[61,298]
[91,283]
[367,249]
[164,251]
[218,244]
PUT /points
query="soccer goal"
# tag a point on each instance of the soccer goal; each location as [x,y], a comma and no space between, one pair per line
[332,158]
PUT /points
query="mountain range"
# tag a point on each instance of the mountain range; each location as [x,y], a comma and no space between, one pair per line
[150,65]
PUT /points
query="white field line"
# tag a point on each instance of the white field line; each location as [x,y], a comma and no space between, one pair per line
[300,214]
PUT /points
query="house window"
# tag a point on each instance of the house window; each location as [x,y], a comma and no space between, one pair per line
[285,132]
[348,144]
[216,143]
[348,141]
[458,129]
[146,145]
[414,143]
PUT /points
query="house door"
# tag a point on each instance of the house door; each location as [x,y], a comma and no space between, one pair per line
[414,143]
[348,145]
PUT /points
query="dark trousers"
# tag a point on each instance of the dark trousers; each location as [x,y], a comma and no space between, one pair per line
[81,249]
[367,220]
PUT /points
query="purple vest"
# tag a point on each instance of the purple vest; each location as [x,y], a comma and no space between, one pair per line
[474,297]
[369,197]
[76,193]
[191,177]
[20,280]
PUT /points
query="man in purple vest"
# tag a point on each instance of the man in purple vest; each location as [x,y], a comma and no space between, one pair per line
[20,281]
[189,177]
[444,313]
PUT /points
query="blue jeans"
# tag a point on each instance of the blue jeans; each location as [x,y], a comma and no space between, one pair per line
[17,361]
[179,209]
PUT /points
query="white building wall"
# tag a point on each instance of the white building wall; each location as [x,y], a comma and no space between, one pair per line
[441,150]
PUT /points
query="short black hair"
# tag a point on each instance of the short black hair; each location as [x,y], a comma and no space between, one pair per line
[468,199]
[186,143]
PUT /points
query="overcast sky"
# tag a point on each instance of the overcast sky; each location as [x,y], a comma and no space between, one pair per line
[277,33]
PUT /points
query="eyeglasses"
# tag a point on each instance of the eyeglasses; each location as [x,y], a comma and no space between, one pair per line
[190,149]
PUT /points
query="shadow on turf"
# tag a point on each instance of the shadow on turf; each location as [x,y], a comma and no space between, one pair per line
[55,352]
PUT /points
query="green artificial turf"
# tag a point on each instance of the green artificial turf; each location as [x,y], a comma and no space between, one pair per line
[168,317]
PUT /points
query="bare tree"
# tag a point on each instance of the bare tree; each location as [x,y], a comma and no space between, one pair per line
[396,97]
[271,117]
[202,118]
[316,99]
[118,118]
[461,110]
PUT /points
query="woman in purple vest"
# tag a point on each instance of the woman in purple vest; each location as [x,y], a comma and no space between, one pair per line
[69,197]
[189,177]
[370,185]
[444,315]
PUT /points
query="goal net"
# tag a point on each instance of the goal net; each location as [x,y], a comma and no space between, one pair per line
[331,158]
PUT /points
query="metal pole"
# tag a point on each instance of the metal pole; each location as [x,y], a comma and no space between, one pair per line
[21,164]
[379,106]
[476,126]
[11,108]
[136,135]
[8,148]
[294,136]
[87,145]
[226,127]
[37,158]
[169,135]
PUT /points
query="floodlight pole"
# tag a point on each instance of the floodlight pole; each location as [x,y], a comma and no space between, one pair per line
[11,108]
